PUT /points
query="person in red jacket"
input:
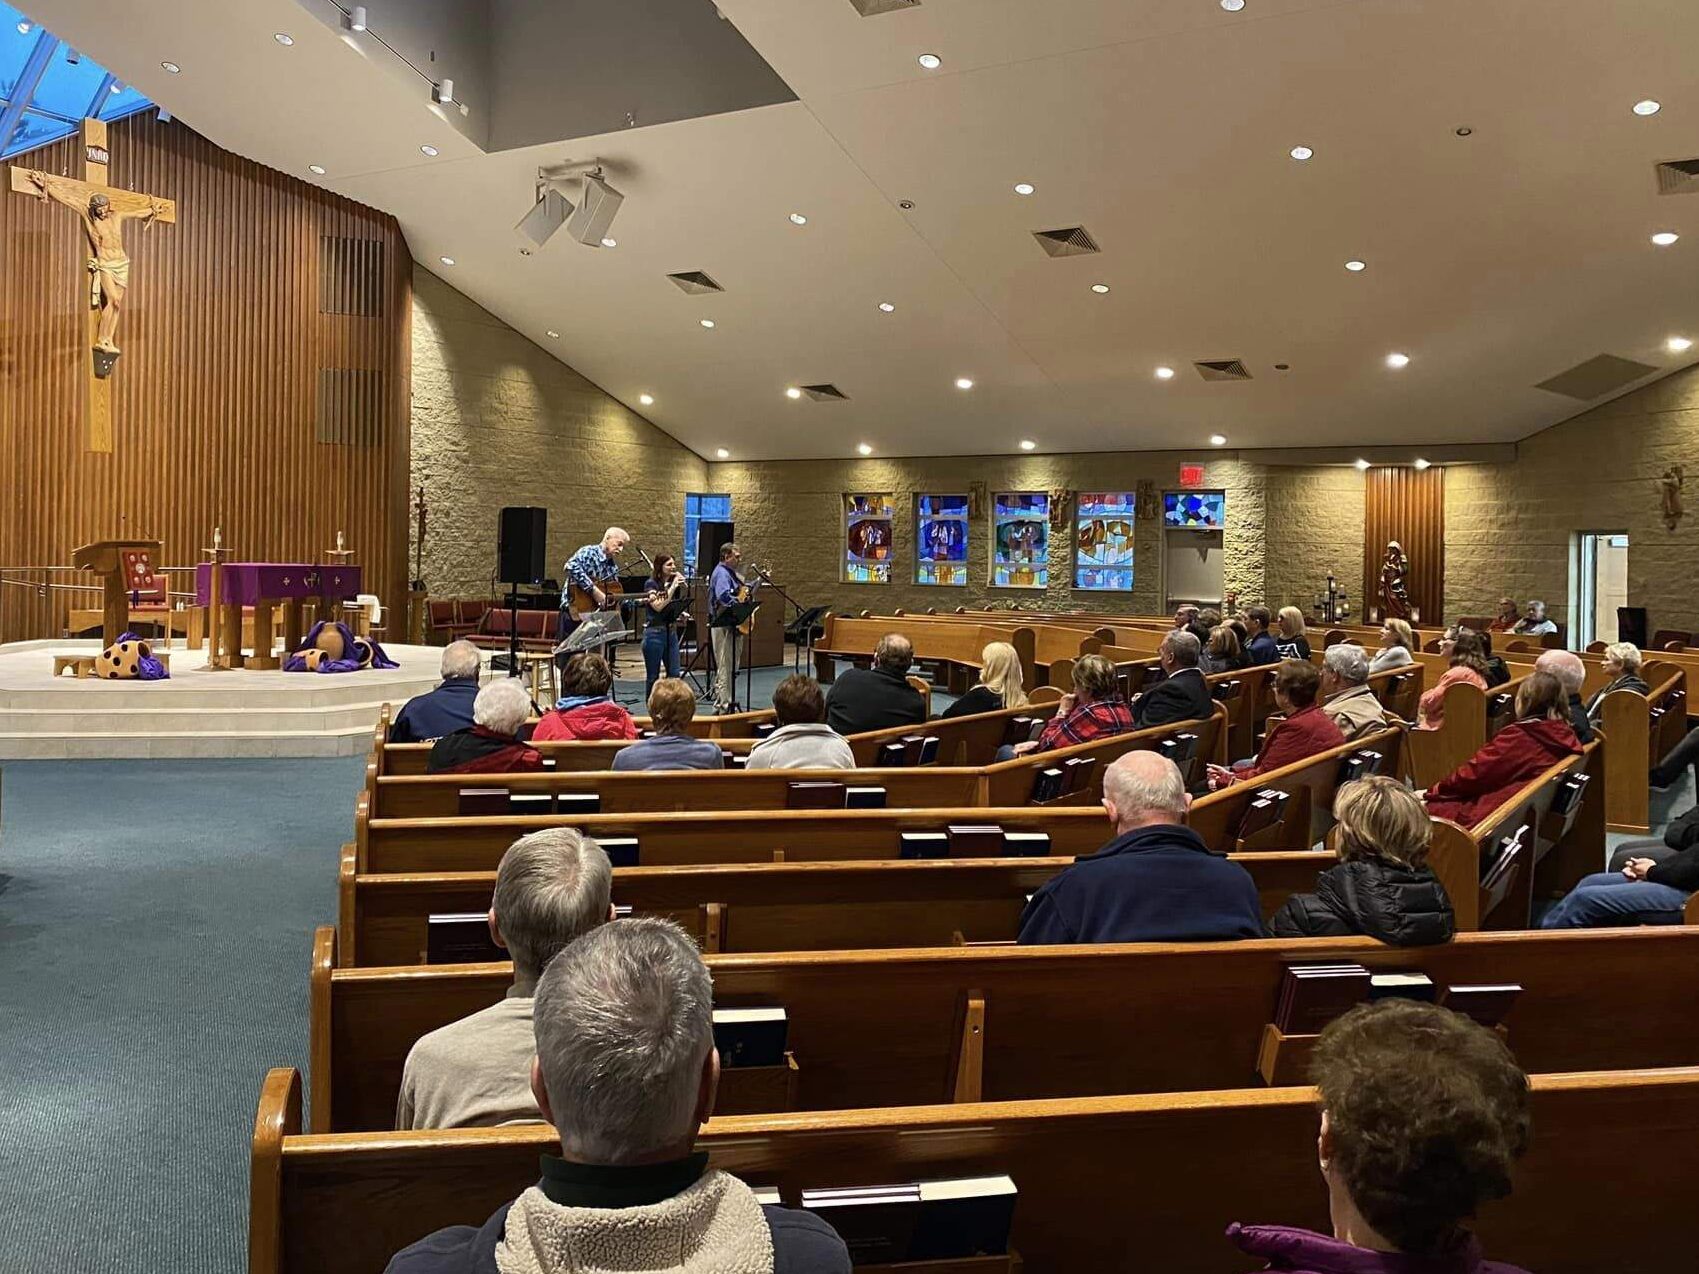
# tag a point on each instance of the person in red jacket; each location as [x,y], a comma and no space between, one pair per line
[1538,739]
[584,710]
[1305,731]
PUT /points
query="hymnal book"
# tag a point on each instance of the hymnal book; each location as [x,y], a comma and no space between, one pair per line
[1026,844]
[923,845]
[816,795]
[975,840]
[1019,730]
[621,850]
[1312,995]
[1358,765]
[1510,849]
[1048,785]
[892,756]
[764,729]
[750,1037]
[461,937]
[1264,811]
[645,734]
[531,803]
[549,763]
[929,750]
[920,1221]
[578,803]
[483,801]
[735,760]
[1075,771]
[1487,1004]
[1568,793]
[622,911]
[767,1196]
[864,798]
[1402,986]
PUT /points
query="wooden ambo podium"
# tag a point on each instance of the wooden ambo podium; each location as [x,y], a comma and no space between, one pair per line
[125,566]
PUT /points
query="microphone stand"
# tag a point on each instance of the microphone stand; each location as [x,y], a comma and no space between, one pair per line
[796,649]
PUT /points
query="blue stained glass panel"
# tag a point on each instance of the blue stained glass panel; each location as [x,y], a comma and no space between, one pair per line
[940,549]
[1195,510]
[1103,541]
[1020,539]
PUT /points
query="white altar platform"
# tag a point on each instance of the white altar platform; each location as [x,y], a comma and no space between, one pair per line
[196,712]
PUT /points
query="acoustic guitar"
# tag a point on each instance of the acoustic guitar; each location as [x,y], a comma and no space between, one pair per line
[580,602]
[745,591]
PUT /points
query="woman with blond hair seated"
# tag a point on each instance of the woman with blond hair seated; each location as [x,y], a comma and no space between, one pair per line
[1291,643]
[1223,653]
[1382,886]
[1468,664]
[1000,684]
[1397,639]
[1622,666]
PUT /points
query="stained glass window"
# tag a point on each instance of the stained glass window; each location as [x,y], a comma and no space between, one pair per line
[1195,510]
[940,539]
[869,522]
[1103,541]
[1020,539]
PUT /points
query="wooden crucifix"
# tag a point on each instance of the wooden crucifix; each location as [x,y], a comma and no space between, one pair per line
[103,210]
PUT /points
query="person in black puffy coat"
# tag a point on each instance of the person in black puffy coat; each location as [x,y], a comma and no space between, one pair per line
[1381,887]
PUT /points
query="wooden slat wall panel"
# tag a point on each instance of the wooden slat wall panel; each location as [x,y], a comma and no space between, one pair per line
[1407,505]
[216,397]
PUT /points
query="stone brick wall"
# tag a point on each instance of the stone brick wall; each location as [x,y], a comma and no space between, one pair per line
[496,421]
[1315,526]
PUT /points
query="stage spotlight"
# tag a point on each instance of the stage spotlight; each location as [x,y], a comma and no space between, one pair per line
[549,214]
[589,224]
[443,93]
[357,18]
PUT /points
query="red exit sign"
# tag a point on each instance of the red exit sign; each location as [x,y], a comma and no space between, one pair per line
[1191,475]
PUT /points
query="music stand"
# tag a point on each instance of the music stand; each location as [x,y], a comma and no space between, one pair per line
[800,633]
[597,629]
[733,616]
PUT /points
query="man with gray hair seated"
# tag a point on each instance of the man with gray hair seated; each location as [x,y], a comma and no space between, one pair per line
[626,1071]
[552,886]
[426,718]
[491,744]
[879,697]
[1534,622]
[1155,882]
[1570,672]
[1345,692]
[1183,695]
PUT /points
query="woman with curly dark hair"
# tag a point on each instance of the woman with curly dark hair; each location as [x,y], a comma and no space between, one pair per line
[1423,1112]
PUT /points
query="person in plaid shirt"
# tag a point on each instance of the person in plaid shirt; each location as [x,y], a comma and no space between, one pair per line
[1094,711]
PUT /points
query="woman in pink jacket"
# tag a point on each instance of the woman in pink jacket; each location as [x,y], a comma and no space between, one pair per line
[1468,664]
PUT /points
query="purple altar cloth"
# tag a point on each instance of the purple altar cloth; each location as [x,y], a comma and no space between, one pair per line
[247,583]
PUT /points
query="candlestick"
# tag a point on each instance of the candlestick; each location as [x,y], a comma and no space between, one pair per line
[339,541]
[217,537]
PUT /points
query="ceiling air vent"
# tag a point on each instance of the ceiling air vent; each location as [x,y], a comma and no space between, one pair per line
[1678,177]
[873,8]
[1222,369]
[1070,241]
[825,393]
[695,282]
[1596,377]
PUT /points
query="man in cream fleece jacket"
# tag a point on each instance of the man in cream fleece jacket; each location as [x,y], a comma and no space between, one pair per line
[626,1071]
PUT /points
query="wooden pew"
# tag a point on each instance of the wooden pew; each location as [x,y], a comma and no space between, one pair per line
[790,906]
[955,646]
[1004,783]
[1641,729]
[1605,1145]
[918,1026]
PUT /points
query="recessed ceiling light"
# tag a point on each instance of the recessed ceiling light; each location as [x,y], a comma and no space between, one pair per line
[1678,344]
[865,449]
[1218,440]
[1100,288]
[1422,464]
[610,243]
[1027,444]
[886,306]
[722,453]
[1463,130]
[1647,107]
[1232,6]
[1398,360]
[1024,187]
[962,382]
[793,392]
[172,67]
[1665,237]
[553,335]
[446,260]
[1301,152]
[428,150]
[1356,267]
[931,61]
[284,39]
[1164,373]
[1361,464]
[648,400]
[707,322]
[25,26]
[797,219]
[316,168]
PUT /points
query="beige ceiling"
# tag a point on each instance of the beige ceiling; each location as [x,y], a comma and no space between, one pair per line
[1163,126]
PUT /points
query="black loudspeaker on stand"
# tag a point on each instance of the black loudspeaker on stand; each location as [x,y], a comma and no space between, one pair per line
[521,558]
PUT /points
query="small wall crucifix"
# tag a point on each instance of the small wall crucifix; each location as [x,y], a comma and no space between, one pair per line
[103,210]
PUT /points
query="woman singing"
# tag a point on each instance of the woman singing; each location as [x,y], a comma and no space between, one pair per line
[660,637]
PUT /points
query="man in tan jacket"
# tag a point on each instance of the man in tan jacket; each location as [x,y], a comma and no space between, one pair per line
[1346,695]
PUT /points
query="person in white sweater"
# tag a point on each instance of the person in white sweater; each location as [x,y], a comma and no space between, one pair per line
[626,1071]
[1396,639]
[803,740]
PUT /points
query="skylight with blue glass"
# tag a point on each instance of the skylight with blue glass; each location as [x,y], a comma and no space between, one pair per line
[47,87]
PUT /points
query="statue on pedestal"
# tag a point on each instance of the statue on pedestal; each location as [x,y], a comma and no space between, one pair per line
[1394,592]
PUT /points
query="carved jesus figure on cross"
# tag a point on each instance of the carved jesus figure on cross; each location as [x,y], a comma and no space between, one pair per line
[109,266]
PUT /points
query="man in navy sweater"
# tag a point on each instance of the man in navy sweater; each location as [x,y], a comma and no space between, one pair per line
[1260,647]
[1155,882]
[426,718]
